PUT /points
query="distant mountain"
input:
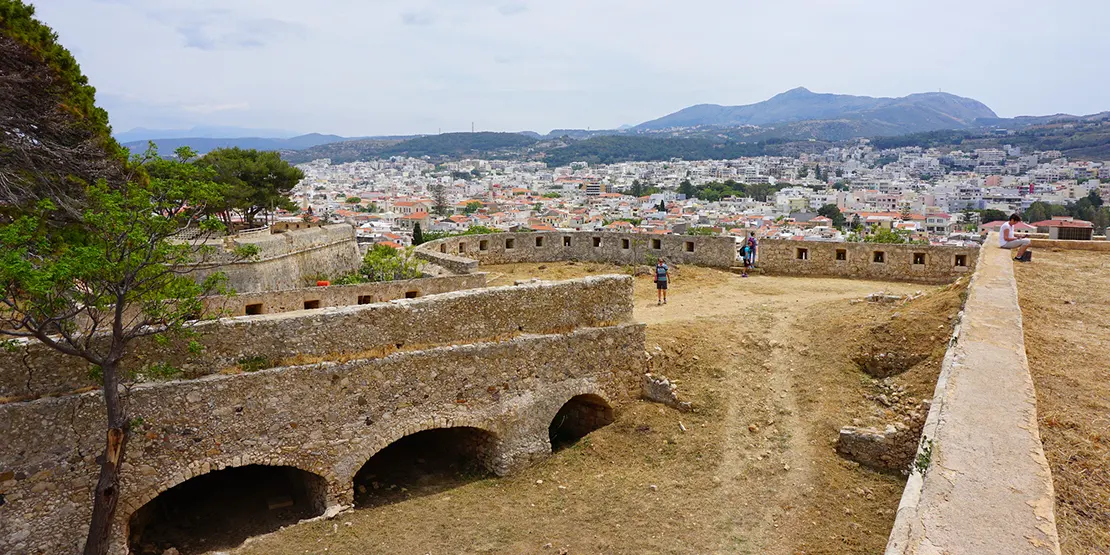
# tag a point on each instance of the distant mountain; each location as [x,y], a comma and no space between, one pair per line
[456,145]
[203,132]
[205,144]
[860,115]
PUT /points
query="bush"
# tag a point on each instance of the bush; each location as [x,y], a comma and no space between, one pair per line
[384,263]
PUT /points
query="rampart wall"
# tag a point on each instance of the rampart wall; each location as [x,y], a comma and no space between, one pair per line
[877,261]
[30,370]
[502,360]
[286,300]
[285,260]
[455,253]
[981,482]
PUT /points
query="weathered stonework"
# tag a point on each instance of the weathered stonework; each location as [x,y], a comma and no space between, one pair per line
[619,248]
[887,262]
[327,419]
[285,260]
[459,317]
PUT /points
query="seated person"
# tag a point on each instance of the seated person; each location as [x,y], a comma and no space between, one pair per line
[1007,240]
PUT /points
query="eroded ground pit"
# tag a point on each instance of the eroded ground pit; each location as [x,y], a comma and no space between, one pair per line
[772,366]
[1064,297]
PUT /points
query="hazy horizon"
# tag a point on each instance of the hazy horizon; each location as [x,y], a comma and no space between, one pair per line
[403,68]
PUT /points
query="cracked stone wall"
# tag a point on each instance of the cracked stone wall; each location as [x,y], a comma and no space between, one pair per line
[327,418]
[30,370]
[454,253]
[931,264]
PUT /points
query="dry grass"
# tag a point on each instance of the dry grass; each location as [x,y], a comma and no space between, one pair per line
[1064,296]
[767,365]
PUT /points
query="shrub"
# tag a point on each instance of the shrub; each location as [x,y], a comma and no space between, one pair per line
[384,263]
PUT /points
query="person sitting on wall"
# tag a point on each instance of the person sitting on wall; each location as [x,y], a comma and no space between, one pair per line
[661,271]
[1007,240]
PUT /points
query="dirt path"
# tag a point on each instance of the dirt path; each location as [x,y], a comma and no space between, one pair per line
[751,471]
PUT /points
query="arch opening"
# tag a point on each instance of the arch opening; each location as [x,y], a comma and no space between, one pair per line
[424,463]
[221,509]
[578,417]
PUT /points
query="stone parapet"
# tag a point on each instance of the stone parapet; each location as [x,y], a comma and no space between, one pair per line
[30,370]
[981,482]
[327,419]
[583,246]
[1096,245]
[875,261]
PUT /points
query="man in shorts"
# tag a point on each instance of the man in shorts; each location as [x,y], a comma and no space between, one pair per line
[661,271]
[1007,240]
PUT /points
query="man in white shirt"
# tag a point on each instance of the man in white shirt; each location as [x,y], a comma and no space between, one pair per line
[1007,239]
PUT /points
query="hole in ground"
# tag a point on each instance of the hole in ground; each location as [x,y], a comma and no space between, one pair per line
[222,509]
[578,417]
[424,463]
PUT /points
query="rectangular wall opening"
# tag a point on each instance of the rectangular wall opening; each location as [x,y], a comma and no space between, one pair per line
[597,242]
[566,240]
[879,257]
[483,245]
[626,244]
[253,309]
[802,254]
[510,244]
[365,299]
[689,246]
[841,254]
[308,305]
[657,244]
[462,248]
[412,294]
[539,242]
[961,260]
[919,258]
[443,248]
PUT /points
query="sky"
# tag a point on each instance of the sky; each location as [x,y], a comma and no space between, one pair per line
[391,67]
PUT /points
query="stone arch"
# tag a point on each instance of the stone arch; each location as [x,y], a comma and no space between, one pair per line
[221,506]
[583,412]
[423,459]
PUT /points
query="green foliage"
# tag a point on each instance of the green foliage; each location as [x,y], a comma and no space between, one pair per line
[832,212]
[992,215]
[439,197]
[350,279]
[883,235]
[254,181]
[924,457]
[715,191]
[194,347]
[610,149]
[552,195]
[687,188]
[353,200]
[662,207]
[472,207]
[478,230]
[701,231]
[384,263]
[417,235]
[161,371]
[254,363]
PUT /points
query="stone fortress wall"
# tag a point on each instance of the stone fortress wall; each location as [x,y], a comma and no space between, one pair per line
[888,262]
[33,370]
[463,254]
[501,362]
[287,260]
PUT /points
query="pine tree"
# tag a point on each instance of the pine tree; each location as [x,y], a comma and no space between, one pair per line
[417,235]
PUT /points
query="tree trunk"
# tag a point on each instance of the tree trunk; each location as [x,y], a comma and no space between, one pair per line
[106,495]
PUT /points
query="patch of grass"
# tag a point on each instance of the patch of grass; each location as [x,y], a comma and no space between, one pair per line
[254,363]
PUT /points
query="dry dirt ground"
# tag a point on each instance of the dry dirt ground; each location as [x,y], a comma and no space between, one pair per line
[1064,297]
[767,363]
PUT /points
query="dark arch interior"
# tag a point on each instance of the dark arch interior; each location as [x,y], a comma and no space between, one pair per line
[580,415]
[424,463]
[221,509]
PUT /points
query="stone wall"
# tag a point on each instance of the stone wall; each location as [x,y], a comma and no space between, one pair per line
[1095,245]
[270,302]
[885,262]
[32,370]
[618,248]
[285,260]
[327,419]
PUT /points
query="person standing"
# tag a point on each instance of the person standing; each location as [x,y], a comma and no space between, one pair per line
[661,279]
[751,250]
[1007,239]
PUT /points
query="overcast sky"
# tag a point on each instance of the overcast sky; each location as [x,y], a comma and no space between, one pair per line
[377,67]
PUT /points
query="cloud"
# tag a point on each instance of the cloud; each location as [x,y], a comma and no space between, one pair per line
[418,19]
[208,108]
[512,8]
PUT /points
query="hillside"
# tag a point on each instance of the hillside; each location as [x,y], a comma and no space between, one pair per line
[443,145]
[894,116]
[1081,138]
[205,144]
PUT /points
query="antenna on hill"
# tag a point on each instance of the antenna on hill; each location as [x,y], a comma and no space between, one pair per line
[471,127]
